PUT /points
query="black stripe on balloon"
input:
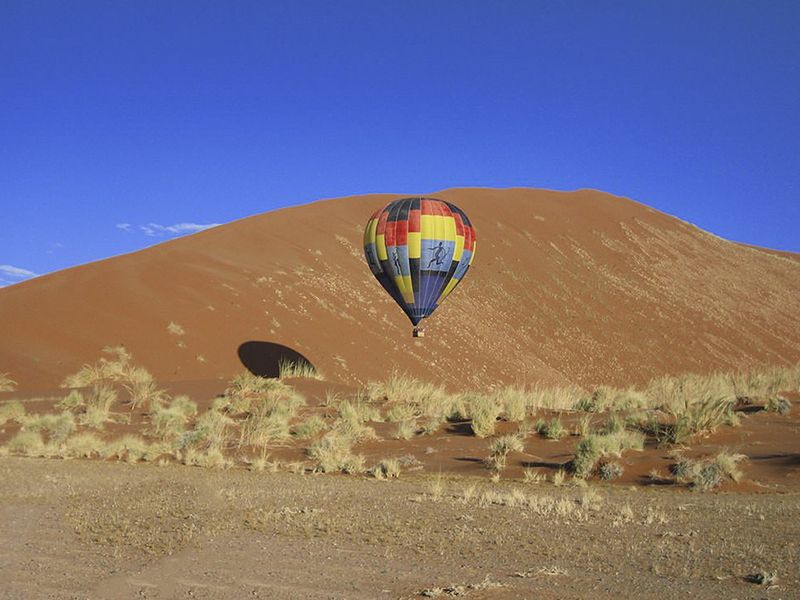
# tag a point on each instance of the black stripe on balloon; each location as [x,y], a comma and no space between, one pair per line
[413,264]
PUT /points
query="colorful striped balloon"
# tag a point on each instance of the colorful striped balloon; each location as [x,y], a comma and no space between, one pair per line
[419,249]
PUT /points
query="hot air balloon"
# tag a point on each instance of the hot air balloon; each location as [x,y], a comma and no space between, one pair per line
[419,249]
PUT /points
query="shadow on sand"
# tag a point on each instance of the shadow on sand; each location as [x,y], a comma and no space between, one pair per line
[265,358]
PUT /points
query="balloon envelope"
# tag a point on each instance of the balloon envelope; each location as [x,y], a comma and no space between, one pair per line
[419,249]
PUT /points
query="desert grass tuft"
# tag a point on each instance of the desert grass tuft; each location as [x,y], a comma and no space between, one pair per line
[174,329]
[6,383]
[309,428]
[514,402]
[610,471]
[779,405]
[554,398]
[297,369]
[499,450]
[11,410]
[83,445]
[211,458]
[484,412]
[559,477]
[533,476]
[333,453]
[246,387]
[553,430]
[170,421]
[405,430]
[58,426]
[708,473]
[388,468]
[268,420]
[27,443]
[597,446]
[702,415]
[353,418]
[72,401]
[98,406]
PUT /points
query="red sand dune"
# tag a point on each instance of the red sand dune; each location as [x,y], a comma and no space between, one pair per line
[566,286]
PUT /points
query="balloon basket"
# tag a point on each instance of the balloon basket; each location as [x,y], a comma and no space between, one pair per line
[418,332]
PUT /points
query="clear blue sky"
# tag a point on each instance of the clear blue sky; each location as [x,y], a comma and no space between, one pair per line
[203,112]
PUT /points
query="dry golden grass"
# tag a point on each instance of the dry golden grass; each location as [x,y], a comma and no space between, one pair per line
[57,426]
[309,428]
[483,413]
[334,454]
[594,447]
[170,420]
[301,369]
[27,443]
[554,398]
[83,445]
[174,329]
[6,383]
[269,419]
[708,473]
[11,410]
[352,419]
[247,387]
[499,450]
[388,468]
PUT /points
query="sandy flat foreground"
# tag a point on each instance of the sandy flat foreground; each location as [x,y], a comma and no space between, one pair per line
[82,529]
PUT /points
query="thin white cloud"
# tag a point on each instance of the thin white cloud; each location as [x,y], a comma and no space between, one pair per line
[157,230]
[16,272]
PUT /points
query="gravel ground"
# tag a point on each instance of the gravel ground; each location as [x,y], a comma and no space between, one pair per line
[84,529]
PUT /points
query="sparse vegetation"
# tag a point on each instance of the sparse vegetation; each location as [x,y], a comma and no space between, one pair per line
[610,471]
[554,430]
[334,454]
[484,412]
[309,428]
[170,421]
[388,468]
[405,430]
[246,387]
[58,426]
[779,405]
[708,473]
[300,369]
[174,329]
[500,449]
[11,410]
[596,446]
[27,443]
[257,414]
[269,419]
[6,383]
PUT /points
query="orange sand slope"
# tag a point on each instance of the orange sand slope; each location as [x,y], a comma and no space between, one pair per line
[566,286]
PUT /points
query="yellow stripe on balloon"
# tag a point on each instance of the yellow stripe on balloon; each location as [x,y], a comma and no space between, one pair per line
[414,244]
[403,284]
[430,225]
[380,246]
[449,229]
[459,249]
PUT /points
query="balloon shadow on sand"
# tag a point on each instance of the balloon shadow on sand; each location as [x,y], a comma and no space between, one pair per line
[265,358]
